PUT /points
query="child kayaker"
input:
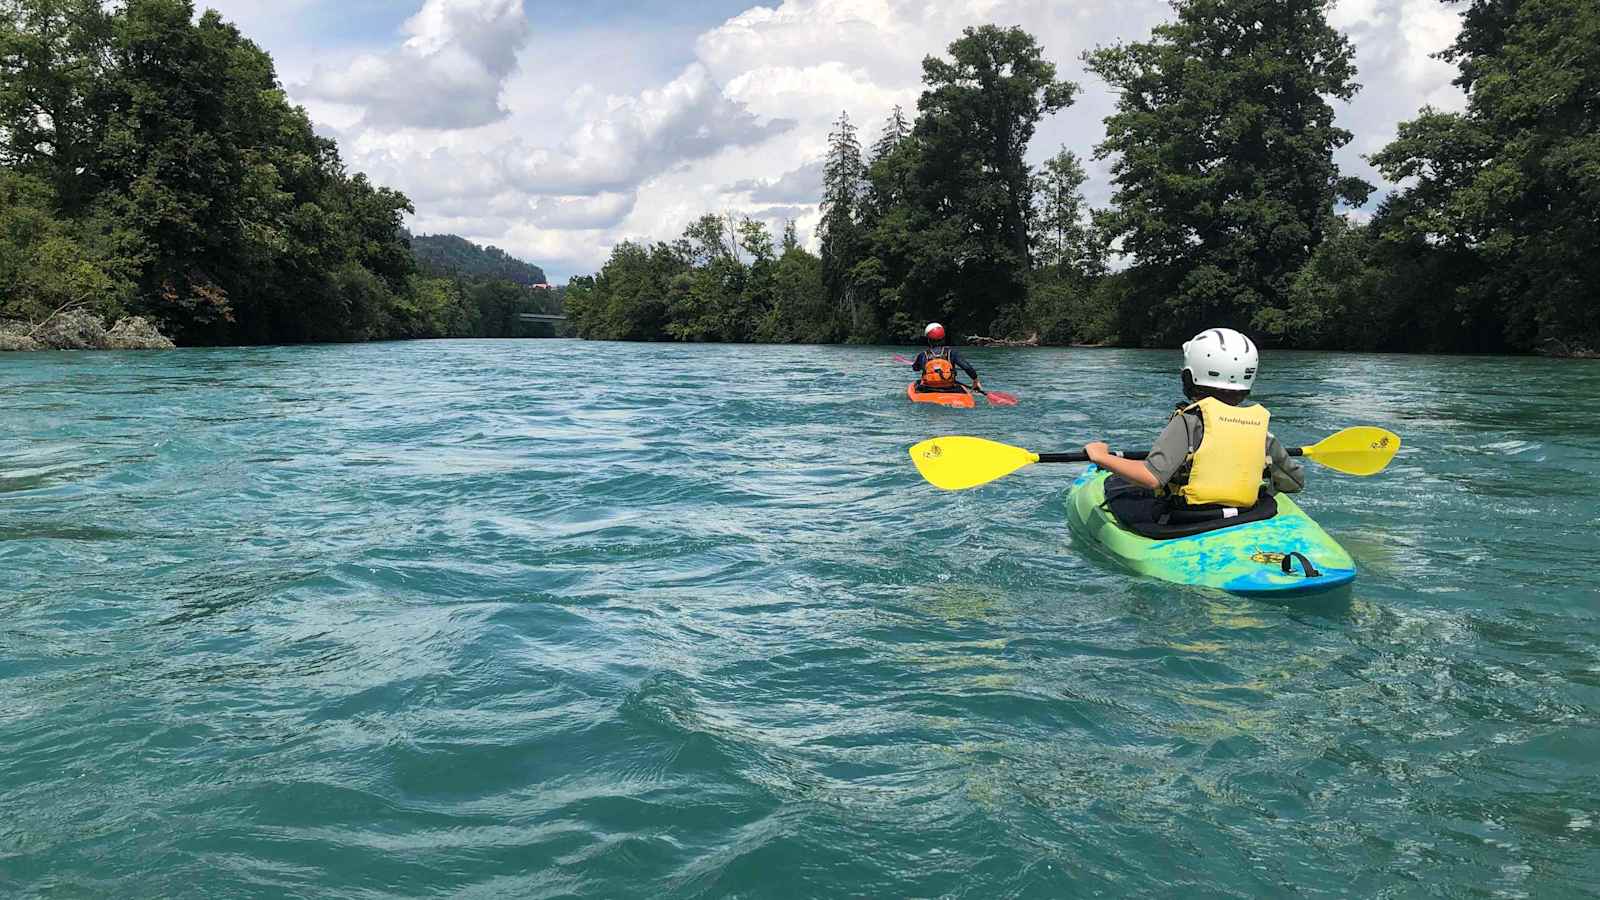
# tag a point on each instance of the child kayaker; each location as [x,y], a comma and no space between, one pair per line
[1212,452]
[938,363]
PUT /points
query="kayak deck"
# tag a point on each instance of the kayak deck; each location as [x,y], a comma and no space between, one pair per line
[962,399]
[1243,559]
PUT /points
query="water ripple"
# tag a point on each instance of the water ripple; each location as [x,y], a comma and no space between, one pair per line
[488,619]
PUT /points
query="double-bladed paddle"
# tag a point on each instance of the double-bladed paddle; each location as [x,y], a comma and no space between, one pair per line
[998,398]
[958,462]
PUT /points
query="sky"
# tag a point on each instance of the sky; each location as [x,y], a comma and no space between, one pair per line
[556,129]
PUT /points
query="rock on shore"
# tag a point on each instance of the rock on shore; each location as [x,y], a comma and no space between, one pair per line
[78,330]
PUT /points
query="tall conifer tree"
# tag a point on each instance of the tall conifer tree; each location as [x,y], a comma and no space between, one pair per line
[843,180]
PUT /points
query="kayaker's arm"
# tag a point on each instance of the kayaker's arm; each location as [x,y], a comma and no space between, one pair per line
[1288,475]
[1171,450]
[1133,470]
[920,361]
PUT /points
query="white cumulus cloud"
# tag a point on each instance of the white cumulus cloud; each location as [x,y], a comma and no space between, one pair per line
[555,149]
[802,185]
[624,140]
[583,213]
[449,73]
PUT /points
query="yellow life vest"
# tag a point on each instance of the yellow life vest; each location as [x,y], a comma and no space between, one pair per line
[1226,468]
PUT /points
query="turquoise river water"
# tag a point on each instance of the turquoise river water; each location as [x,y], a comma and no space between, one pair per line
[561,619]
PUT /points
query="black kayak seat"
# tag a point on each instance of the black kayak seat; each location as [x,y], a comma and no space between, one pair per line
[952,389]
[1140,511]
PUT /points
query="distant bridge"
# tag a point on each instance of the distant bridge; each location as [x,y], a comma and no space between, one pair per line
[540,317]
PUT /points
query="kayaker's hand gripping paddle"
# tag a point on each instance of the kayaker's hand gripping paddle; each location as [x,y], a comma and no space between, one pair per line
[958,462]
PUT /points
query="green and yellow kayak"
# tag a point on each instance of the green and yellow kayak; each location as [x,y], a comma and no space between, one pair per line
[1288,554]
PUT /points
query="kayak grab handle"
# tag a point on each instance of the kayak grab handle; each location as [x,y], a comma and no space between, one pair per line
[1288,564]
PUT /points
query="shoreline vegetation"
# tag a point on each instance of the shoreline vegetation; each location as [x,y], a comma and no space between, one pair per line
[1227,205]
[153,171]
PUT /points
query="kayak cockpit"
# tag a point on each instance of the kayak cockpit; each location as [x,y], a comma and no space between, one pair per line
[1140,511]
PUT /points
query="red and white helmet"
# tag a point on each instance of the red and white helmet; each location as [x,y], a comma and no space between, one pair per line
[934,332]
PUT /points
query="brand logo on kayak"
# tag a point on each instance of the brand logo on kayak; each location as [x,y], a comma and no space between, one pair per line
[1272,559]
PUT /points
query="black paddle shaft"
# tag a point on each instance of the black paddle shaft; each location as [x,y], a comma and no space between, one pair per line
[1079,456]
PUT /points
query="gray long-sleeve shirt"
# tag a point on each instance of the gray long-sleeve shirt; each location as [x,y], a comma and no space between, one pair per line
[1182,437]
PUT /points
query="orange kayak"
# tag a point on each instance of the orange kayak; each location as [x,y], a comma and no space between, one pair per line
[962,398]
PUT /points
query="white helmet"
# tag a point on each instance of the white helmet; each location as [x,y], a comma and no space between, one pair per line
[1221,358]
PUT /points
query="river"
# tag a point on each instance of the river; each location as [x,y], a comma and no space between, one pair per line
[561,619]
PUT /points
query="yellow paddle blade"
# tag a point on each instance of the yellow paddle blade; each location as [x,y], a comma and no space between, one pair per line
[1362,450]
[958,462]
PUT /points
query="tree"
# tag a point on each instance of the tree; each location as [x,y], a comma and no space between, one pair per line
[977,116]
[843,175]
[48,265]
[53,55]
[150,163]
[886,182]
[712,237]
[434,308]
[886,233]
[1069,259]
[1513,183]
[895,130]
[1062,230]
[173,161]
[448,254]
[799,311]
[1224,171]
[246,221]
[630,297]
[756,240]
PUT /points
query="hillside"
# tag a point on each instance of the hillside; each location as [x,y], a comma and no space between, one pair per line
[447,254]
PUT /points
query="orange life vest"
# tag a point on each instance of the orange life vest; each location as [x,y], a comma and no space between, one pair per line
[937,371]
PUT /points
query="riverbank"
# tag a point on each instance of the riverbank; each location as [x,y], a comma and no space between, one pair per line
[79,330]
[1559,349]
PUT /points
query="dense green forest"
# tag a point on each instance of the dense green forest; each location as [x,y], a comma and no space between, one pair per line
[151,165]
[447,254]
[1228,207]
[724,280]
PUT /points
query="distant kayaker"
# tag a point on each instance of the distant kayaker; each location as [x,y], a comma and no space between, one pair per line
[1211,454]
[938,364]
